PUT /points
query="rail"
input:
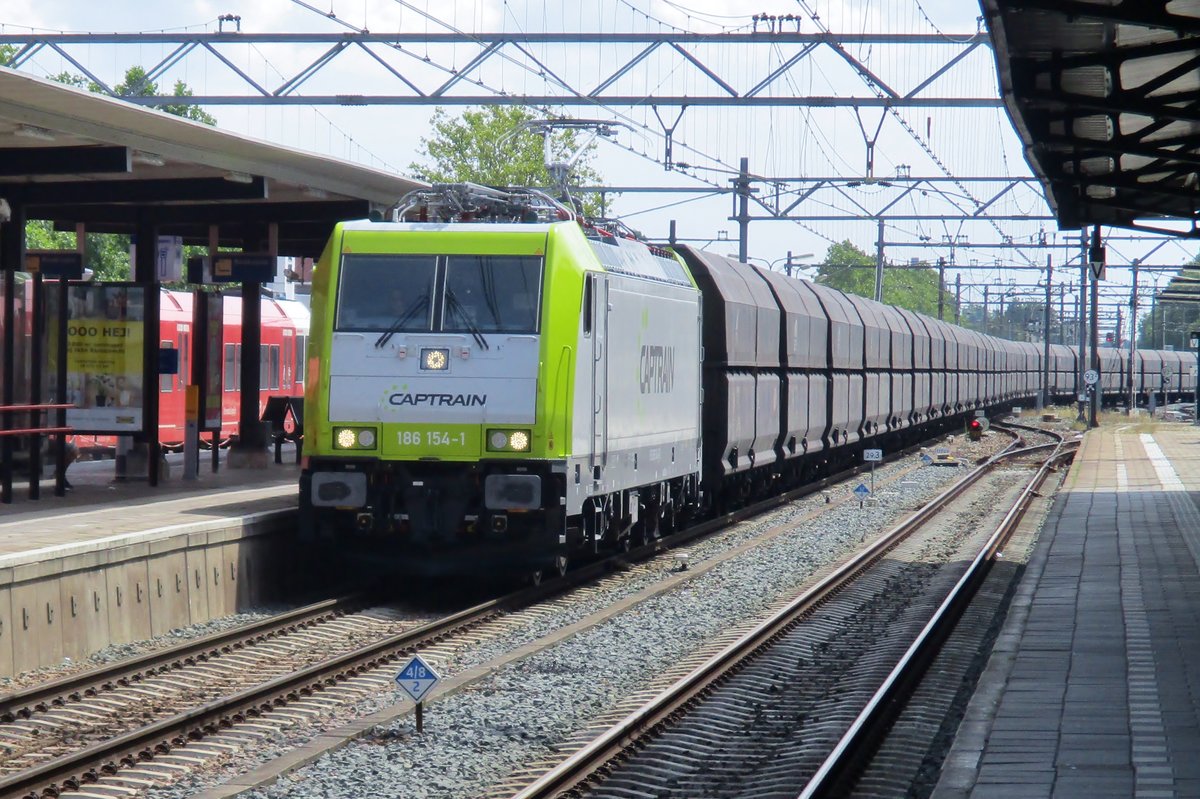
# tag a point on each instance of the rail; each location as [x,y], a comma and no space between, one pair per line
[580,766]
[22,704]
[74,770]
[854,750]
[7,432]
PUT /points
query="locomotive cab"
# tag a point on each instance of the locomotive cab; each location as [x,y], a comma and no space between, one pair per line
[498,395]
[431,385]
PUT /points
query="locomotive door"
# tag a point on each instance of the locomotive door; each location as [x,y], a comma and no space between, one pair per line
[599,313]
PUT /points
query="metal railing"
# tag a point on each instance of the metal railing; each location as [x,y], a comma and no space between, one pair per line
[34,432]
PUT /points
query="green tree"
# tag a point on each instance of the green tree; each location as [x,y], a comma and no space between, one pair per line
[851,270]
[106,254]
[136,85]
[488,146]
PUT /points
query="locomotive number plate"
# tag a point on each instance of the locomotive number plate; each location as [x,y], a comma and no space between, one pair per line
[431,438]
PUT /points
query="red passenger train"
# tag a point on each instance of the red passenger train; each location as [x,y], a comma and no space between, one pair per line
[282,360]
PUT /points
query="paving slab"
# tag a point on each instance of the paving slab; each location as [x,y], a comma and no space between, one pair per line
[1090,689]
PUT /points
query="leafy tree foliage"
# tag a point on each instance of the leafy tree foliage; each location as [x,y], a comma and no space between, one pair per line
[106,254]
[851,270]
[487,146]
[136,85]
[1015,320]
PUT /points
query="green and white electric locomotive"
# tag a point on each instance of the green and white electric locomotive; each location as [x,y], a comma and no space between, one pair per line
[491,394]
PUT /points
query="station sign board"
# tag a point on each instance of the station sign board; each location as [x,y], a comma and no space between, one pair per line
[64,264]
[231,267]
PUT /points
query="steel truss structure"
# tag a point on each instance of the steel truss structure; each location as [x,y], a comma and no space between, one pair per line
[420,81]
[950,204]
[779,198]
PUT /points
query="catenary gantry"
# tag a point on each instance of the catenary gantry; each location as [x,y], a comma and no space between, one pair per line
[90,162]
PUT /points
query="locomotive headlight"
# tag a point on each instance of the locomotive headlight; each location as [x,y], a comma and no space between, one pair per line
[354,437]
[508,440]
[435,359]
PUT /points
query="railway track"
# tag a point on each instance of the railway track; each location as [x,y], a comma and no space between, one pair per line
[73,761]
[740,696]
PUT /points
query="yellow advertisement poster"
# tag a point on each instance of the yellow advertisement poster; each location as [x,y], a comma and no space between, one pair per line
[105,329]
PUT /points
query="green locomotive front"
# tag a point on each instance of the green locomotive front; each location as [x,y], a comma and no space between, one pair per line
[457,410]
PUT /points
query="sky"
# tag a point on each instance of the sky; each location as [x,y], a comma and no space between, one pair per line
[780,142]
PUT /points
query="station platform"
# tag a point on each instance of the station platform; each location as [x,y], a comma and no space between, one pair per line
[1093,688]
[101,510]
[115,561]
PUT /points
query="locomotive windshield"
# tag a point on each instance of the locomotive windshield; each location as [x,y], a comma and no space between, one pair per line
[474,294]
[387,292]
[491,294]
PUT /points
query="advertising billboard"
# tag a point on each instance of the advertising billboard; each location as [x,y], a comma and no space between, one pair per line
[105,358]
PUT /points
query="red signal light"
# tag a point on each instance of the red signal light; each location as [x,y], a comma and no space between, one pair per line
[975,425]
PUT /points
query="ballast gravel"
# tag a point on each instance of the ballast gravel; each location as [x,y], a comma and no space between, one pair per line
[474,737]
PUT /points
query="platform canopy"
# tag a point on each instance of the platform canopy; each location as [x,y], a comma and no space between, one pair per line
[73,156]
[1105,95]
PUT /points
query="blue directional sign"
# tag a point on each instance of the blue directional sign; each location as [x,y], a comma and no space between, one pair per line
[861,491]
[417,678]
[926,459]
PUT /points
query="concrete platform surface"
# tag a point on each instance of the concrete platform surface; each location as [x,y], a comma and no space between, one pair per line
[119,561]
[100,511]
[1093,689]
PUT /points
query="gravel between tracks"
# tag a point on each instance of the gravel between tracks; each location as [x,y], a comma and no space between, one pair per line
[517,716]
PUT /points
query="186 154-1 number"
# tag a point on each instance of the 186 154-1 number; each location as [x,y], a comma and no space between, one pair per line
[432,438]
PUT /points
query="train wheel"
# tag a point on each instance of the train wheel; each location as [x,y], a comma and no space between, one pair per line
[556,568]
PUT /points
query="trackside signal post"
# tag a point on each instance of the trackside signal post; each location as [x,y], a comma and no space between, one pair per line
[417,679]
[872,456]
[1195,340]
[1096,259]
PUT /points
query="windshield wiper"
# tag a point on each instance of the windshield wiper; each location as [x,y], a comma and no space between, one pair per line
[401,321]
[457,308]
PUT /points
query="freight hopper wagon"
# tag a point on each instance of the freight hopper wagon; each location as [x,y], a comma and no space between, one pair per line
[483,395]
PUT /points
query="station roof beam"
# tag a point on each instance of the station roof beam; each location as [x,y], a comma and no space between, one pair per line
[77,157]
[1103,94]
